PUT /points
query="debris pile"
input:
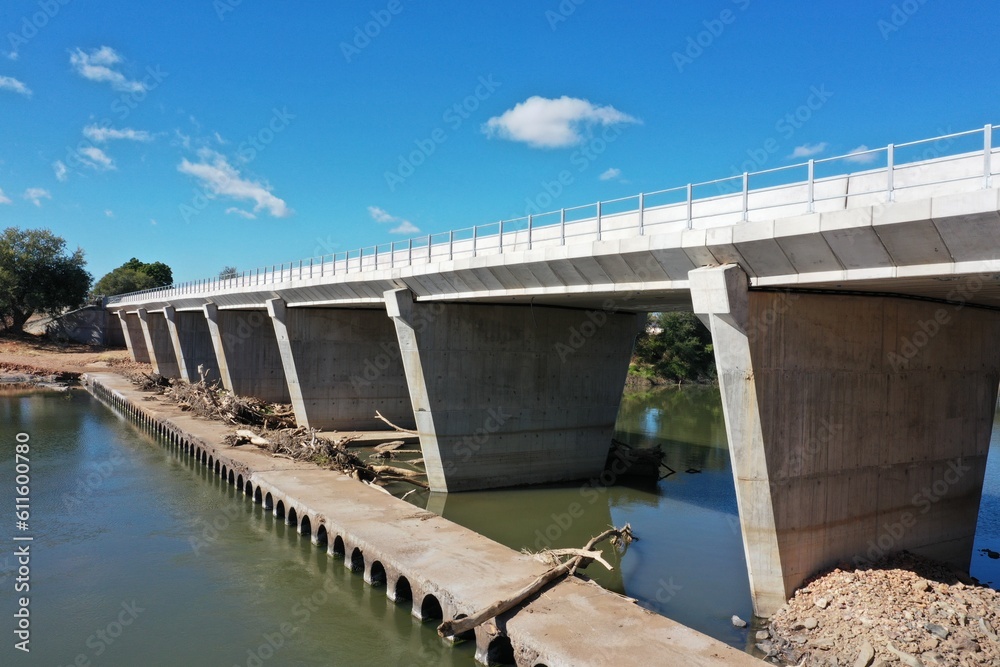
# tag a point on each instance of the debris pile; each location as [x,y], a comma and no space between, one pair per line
[901,610]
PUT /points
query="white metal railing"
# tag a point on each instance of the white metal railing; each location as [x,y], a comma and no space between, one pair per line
[808,187]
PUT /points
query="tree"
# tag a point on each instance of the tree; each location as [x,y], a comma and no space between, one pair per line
[37,276]
[133,276]
[228,272]
[677,347]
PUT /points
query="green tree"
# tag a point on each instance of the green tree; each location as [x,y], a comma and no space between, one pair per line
[133,276]
[37,276]
[228,272]
[677,347]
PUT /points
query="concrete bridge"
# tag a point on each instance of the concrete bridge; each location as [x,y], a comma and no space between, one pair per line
[852,303]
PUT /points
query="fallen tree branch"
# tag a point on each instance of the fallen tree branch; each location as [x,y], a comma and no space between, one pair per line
[620,537]
[378,415]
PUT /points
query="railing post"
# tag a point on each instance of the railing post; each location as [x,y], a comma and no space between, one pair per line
[890,171]
[451,245]
[642,206]
[475,240]
[322,265]
[562,226]
[812,185]
[376,257]
[690,205]
[428,248]
[500,236]
[530,223]
[988,156]
[598,221]
[746,196]
[392,255]
[409,251]
[310,267]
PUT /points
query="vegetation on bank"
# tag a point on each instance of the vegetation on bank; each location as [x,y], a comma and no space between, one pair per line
[674,348]
[133,276]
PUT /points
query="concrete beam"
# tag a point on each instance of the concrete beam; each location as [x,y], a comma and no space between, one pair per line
[158,343]
[134,339]
[192,344]
[247,353]
[512,395]
[858,426]
[342,365]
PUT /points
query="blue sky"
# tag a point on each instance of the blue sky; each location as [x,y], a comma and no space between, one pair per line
[205,134]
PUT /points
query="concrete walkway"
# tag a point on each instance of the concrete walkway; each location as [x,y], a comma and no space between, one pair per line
[574,623]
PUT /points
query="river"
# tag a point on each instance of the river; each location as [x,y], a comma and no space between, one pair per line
[141,557]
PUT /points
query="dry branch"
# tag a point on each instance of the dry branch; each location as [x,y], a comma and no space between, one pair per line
[378,415]
[619,537]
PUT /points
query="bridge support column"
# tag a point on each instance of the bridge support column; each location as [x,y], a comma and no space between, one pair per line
[192,344]
[134,339]
[158,343]
[341,365]
[247,354]
[858,425]
[510,395]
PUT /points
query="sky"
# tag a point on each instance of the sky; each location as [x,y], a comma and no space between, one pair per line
[216,133]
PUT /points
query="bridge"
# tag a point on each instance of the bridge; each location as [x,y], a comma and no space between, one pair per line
[852,303]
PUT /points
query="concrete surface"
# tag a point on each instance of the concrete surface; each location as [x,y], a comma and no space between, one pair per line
[135,340]
[247,353]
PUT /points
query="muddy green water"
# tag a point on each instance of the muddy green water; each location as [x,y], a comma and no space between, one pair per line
[140,557]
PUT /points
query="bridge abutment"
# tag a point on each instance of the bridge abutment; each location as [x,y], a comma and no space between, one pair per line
[858,425]
[342,365]
[135,341]
[247,353]
[159,343]
[510,395]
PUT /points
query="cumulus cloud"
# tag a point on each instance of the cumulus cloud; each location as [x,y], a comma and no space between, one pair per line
[221,179]
[860,155]
[383,216]
[103,134]
[12,84]
[60,170]
[97,65]
[36,195]
[808,150]
[95,158]
[108,212]
[232,210]
[552,123]
[611,174]
[4,199]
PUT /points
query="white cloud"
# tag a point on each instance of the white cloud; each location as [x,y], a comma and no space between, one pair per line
[864,158]
[404,226]
[552,123]
[610,174]
[108,212]
[808,150]
[232,210]
[4,199]
[60,170]
[13,55]
[36,195]
[12,84]
[97,66]
[222,179]
[153,222]
[98,159]
[103,134]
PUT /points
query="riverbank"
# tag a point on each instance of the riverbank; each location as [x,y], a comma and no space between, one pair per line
[28,361]
[448,571]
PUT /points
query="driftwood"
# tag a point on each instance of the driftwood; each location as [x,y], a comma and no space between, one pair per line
[378,415]
[620,537]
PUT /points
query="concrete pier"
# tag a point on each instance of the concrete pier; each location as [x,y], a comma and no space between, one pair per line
[158,343]
[857,425]
[192,344]
[135,341]
[442,570]
[247,353]
[342,365]
[511,395]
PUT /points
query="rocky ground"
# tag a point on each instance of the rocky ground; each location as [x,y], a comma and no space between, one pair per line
[29,359]
[904,610]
